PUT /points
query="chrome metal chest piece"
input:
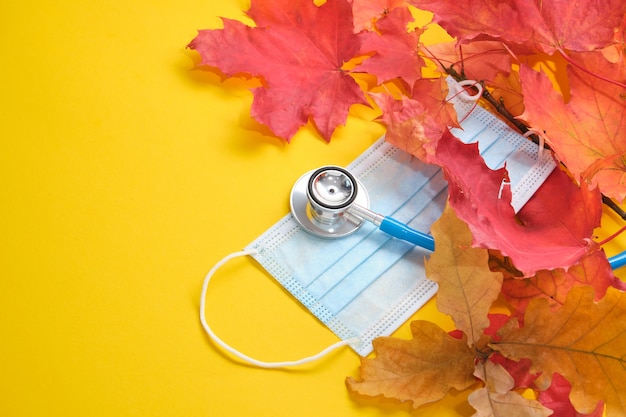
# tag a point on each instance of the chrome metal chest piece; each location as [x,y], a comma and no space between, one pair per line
[330,202]
[320,202]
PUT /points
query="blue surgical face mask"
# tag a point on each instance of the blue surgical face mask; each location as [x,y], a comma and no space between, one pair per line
[527,166]
[367,284]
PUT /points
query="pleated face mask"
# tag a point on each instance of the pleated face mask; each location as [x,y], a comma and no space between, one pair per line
[367,284]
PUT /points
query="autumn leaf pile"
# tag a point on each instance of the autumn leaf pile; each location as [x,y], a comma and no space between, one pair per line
[564,341]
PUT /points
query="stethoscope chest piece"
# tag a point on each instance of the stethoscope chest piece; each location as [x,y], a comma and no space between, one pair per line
[320,198]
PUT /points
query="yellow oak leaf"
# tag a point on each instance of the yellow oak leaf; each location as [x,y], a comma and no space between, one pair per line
[497,400]
[467,287]
[421,370]
[584,341]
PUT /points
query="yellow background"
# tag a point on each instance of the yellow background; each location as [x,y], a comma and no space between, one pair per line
[124,176]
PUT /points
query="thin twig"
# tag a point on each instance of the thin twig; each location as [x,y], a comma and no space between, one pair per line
[499,106]
[613,206]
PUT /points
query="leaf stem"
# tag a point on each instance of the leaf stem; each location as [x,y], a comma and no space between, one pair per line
[585,70]
[613,236]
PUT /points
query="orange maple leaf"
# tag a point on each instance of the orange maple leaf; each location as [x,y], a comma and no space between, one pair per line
[421,370]
[415,124]
[554,285]
[478,60]
[588,134]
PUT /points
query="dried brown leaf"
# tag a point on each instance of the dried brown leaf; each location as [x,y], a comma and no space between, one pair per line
[509,404]
[584,341]
[467,287]
[497,400]
[421,370]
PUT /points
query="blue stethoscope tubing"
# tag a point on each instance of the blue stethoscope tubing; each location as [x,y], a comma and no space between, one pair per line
[617,261]
[400,230]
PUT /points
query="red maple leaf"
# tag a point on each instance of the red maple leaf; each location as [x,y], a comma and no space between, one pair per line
[615,52]
[298,49]
[415,123]
[556,398]
[394,49]
[367,11]
[588,134]
[548,25]
[552,230]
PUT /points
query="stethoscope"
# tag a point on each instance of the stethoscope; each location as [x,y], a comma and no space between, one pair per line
[330,202]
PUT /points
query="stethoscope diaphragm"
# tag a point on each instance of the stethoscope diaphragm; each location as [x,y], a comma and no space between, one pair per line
[320,199]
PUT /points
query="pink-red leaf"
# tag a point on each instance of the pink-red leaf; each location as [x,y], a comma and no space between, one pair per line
[298,49]
[547,25]
[415,124]
[394,49]
[478,60]
[367,11]
[615,53]
[552,230]
[593,270]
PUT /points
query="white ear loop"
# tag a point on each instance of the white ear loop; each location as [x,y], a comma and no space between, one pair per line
[464,95]
[469,83]
[240,355]
[503,184]
[541,143]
